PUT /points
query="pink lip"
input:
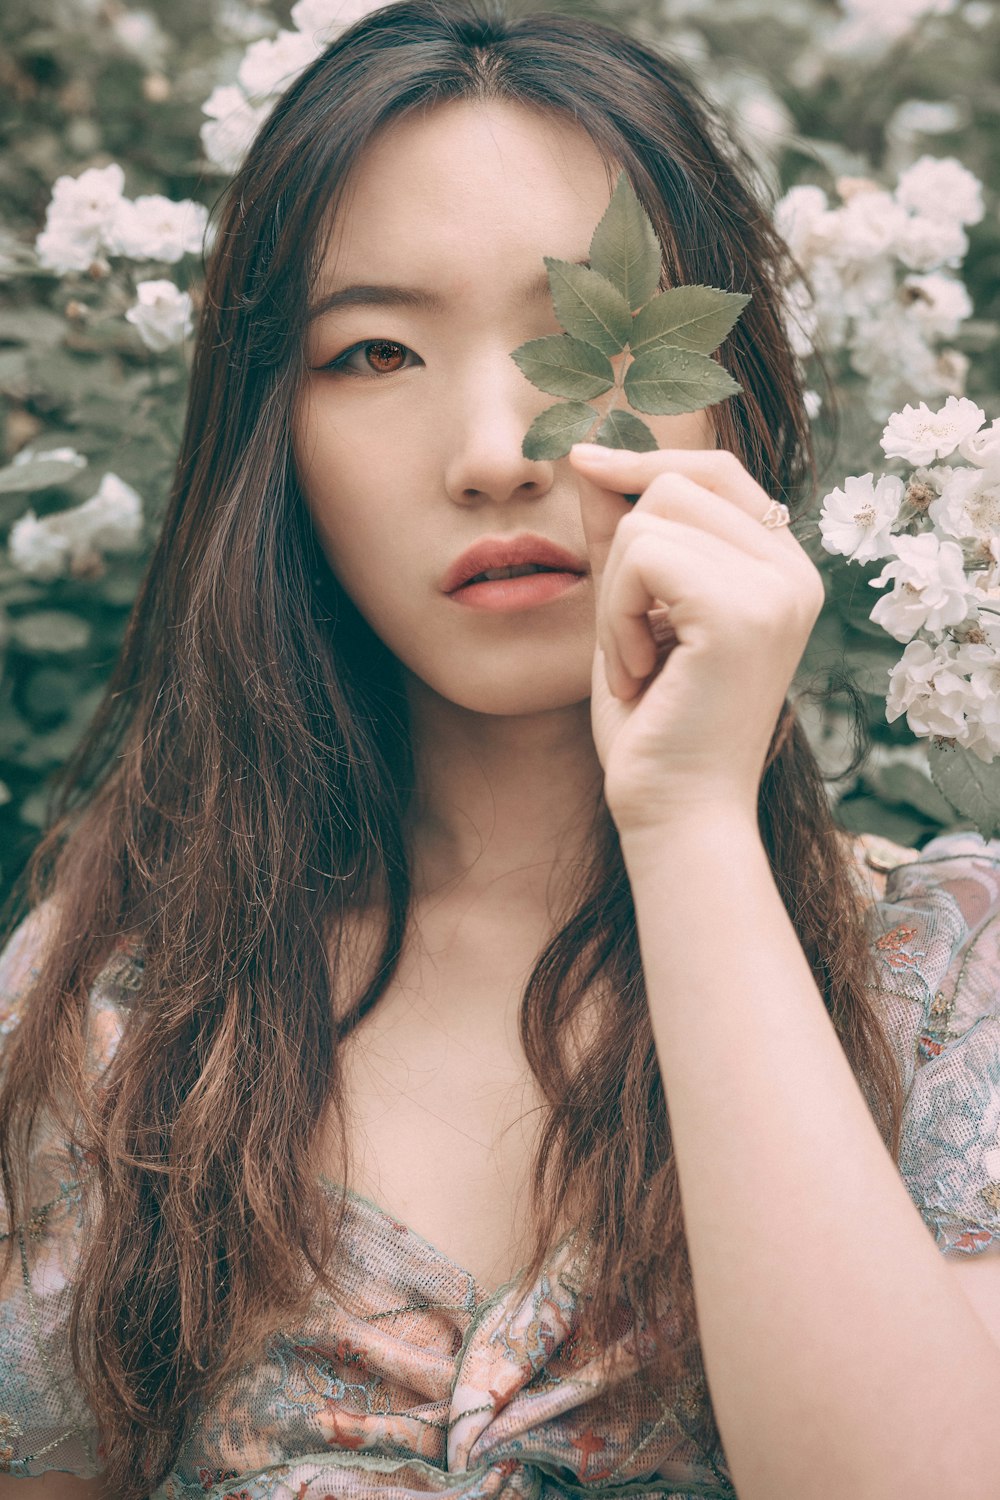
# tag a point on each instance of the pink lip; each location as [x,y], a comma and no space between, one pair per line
[510,552]
[503,594]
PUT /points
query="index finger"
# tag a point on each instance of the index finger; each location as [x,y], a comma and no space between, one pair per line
[715,469]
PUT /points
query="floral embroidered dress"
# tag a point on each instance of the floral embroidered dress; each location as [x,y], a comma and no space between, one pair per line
[418,1382]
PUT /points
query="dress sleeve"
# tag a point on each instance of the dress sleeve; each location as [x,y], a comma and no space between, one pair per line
[936,932]
[44,1420]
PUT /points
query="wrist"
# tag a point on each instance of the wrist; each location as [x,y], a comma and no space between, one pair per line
[699,826]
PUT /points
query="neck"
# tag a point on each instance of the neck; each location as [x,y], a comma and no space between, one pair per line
[504,806]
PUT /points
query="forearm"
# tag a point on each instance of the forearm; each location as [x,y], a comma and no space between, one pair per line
[831,1329]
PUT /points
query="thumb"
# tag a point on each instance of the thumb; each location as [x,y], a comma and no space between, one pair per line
[601,508]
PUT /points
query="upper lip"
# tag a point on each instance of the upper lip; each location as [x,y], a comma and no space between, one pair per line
[508,552]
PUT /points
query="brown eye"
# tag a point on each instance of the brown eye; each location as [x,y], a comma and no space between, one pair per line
[372,357]
[384,356]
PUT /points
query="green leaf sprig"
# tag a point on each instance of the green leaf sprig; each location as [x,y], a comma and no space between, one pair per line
[611,308]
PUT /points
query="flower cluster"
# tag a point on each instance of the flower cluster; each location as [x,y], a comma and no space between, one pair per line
[270,64]
[73,541]
[939,530]
[868,24]
[878,276]
[89,218]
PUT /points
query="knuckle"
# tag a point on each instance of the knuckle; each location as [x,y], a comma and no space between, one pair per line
[727,461]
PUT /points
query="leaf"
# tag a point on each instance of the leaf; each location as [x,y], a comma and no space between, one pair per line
[902,785]
[670,381]
[33,325]
[971,786]
[697,318]
[38,474]
[555,430]
[625,248]
[46,631]
[588,306]
[565,366]
[620,429]
[868,815]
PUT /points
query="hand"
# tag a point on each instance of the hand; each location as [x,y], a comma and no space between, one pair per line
[683,712]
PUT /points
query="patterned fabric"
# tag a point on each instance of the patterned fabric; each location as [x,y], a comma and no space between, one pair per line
[416,1381]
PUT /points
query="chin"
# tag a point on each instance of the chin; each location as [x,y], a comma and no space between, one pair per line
[527,691]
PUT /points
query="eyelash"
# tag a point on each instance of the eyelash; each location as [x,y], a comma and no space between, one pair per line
[339,365]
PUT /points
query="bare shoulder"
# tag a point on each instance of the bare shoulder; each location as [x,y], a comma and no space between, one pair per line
[53,1486]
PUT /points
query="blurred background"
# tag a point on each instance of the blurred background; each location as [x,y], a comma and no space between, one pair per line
[119,127]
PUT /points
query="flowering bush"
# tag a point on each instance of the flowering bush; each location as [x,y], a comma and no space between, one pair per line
[122,126]
[940,531]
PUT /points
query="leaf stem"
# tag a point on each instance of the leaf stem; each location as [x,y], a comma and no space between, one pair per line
[613,402]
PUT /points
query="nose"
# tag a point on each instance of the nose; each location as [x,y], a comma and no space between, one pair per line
[492,408]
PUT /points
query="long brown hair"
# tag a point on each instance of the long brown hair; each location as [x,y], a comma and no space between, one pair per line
[245,785]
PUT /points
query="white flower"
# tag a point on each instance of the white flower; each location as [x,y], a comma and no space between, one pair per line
[269,66]
[162,315]
[922,686]
[139,33]
[952,691]
[983,448]
[969,504]
[157,228]
[924,243]
[918,436]
[36,549]
[79,215]
[111,520]
[813,403]
[232,124]
[871,26]
[802,219]
[867,226]
[938,303]
[931,588]
[941,189]
[856,521]
[73,540]
[322,19]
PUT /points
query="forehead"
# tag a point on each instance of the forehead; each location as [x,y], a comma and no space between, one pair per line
[468,189]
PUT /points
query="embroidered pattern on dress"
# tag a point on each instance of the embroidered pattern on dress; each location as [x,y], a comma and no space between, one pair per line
[891,943]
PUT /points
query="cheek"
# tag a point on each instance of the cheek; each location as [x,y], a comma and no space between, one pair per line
[690,430]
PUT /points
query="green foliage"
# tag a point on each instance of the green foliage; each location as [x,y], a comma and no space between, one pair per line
[603,307]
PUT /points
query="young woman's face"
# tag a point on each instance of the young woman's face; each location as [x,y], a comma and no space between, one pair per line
[409,424]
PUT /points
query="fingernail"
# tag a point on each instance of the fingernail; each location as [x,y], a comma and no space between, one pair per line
[592,452]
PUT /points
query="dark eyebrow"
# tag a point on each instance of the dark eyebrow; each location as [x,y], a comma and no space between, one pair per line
[375,295]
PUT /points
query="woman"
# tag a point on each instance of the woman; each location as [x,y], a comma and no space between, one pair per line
[385,918]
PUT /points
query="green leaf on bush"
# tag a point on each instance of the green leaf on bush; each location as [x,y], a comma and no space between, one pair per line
[971,786]
[565,366]
[588,306]
[625,248]
[47,632]
[38,474]
[620,429]
[671,381]
[902,785]
[555,430]
[697,318]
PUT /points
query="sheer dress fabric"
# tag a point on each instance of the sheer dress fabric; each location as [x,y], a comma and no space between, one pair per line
[418,1382]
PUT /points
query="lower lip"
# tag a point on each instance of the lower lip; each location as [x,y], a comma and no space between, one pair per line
[502,594]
